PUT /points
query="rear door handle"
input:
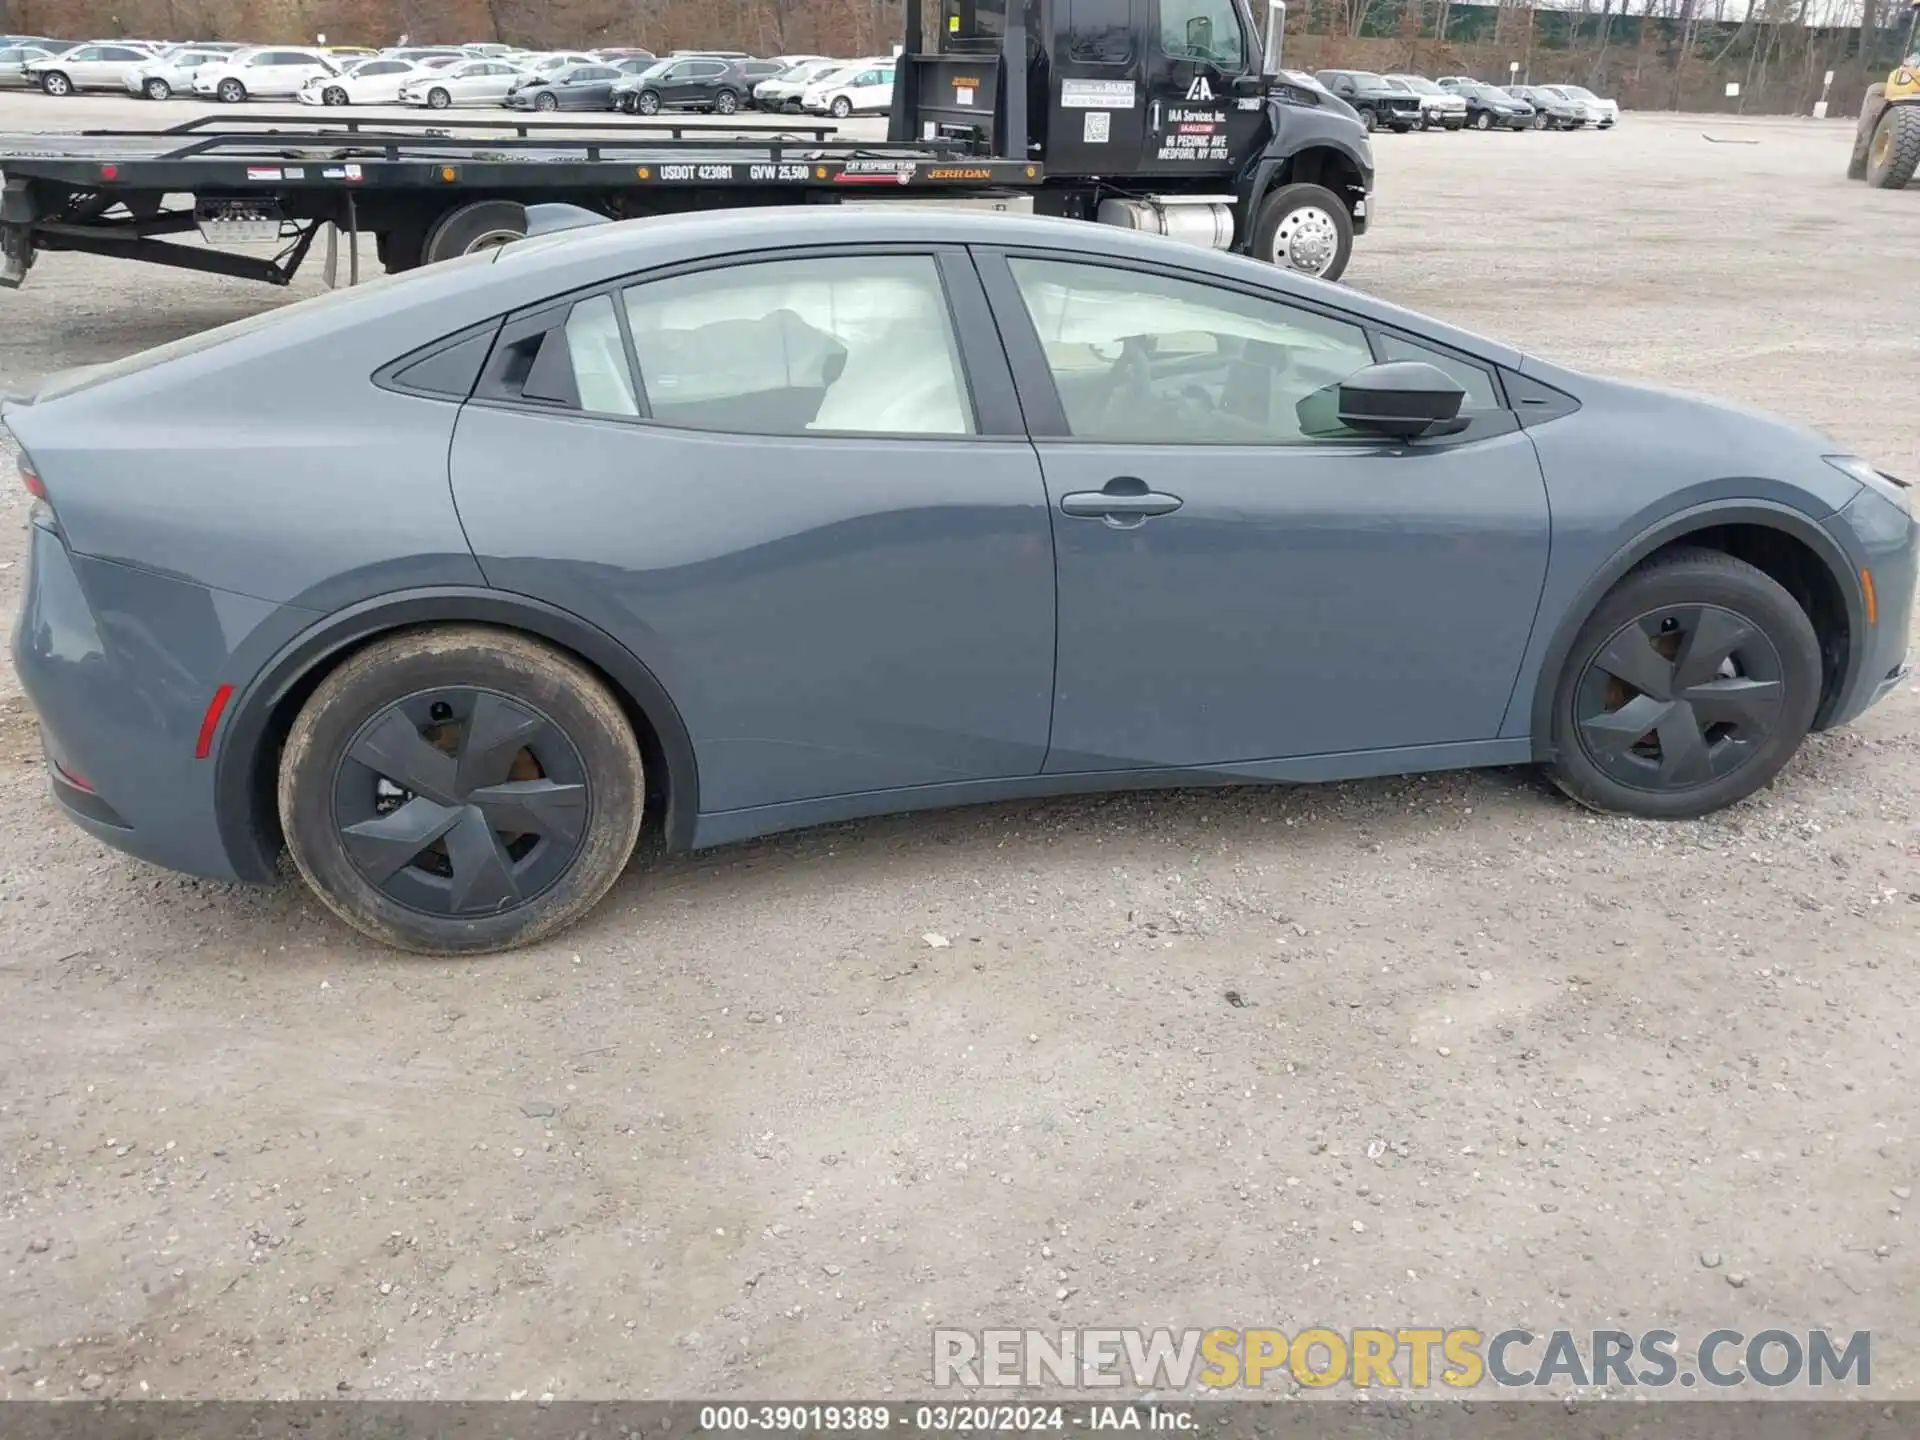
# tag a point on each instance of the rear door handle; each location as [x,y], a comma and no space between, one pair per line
[1124,498]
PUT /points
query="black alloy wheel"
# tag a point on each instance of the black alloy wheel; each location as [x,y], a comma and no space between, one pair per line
[461,802]
[1679,697]
[461,789]
[1688,688]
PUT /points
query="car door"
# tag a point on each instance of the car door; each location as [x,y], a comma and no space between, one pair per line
[816,516]
[1233,589]
[489,83]
[380,80]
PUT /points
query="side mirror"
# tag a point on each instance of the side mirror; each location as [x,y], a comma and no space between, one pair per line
[1400,400]
[1245,85]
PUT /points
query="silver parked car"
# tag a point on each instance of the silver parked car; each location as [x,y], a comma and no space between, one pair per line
[170,74]
[13,66]
[102,65]
[939,508]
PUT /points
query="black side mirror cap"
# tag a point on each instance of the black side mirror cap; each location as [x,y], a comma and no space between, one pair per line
[1398,400]
[1244,85]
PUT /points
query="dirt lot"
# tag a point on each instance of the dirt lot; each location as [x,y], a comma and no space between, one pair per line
[748,1132]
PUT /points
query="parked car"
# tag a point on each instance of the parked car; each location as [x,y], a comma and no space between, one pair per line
[624,52]
[473,82]
[266,73]
[1604,114]
[167,75]
[378,81]
[583,87]
[455,720]
[1375,101]
[783,91]
[863,90]
[1550,111]
[1440,108]
[690,82]
[100,65]
[487,49]
[1488,106]
[13,66]
[420,54]
[554,62]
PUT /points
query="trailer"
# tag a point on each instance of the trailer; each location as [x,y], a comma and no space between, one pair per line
[1176,120]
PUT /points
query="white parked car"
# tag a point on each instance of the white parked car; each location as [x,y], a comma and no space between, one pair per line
[170,74]
[473,82]
[784,90]
[1603,114]
[1440,108]
[102,65]
[266,73]
[555,63]
[369,82]
[865,88]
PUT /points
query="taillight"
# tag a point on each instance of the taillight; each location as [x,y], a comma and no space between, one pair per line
[36,487]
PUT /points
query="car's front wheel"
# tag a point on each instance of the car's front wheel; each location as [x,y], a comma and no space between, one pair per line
[726,103]
[231,92]
[1688,688]
[842,107]
[1483,121]
[438,99]
[454,791]
[546,100]
[333,95]
[157,89]
[647,103]
[56,84]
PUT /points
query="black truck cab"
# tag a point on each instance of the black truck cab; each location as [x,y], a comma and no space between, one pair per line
[1165,115]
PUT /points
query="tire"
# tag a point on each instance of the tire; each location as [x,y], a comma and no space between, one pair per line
[1872,109]
[1895,152]
[1369,121]
[726,103]
[477,225]
[438,99]
[492,873]
[647,102]
[546,100]
[1483,121]
[230,92]
[841,107]
[1542,121]
[157,89]
[1692,759]
[333,95]
[1289,230]
[56,83]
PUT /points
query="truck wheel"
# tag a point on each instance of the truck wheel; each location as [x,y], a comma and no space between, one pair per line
[1306,229]
[481,225]
[1895,154]
[1870,111]
[56,84]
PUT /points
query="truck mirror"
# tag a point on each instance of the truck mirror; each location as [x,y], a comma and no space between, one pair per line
[1275,37]
[1200,36]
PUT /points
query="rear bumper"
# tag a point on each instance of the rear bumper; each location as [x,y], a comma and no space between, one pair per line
[120,665]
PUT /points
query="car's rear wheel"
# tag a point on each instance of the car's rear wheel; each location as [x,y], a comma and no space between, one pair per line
[1688,688]
[455,791]
[231,92]
[158,89]
[56,84]
[438,99]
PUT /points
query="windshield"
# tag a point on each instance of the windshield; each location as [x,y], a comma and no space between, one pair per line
[1578,92]
[1416,82]
[658,68]
[1393,84]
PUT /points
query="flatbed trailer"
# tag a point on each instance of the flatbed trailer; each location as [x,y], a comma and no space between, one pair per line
[1177,120]
[426,190]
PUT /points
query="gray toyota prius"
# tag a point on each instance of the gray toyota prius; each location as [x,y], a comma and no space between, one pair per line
[753,520]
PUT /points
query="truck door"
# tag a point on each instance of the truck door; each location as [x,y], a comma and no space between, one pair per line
[1204,108]
[1098,124]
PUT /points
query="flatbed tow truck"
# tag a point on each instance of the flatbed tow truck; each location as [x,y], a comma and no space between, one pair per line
[1171,116]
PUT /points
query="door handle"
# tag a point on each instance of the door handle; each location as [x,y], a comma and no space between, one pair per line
[1123,498]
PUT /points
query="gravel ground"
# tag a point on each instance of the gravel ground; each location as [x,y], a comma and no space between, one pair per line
[747,1132]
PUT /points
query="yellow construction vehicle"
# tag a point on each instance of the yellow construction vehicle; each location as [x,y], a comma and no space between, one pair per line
[1886,146]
